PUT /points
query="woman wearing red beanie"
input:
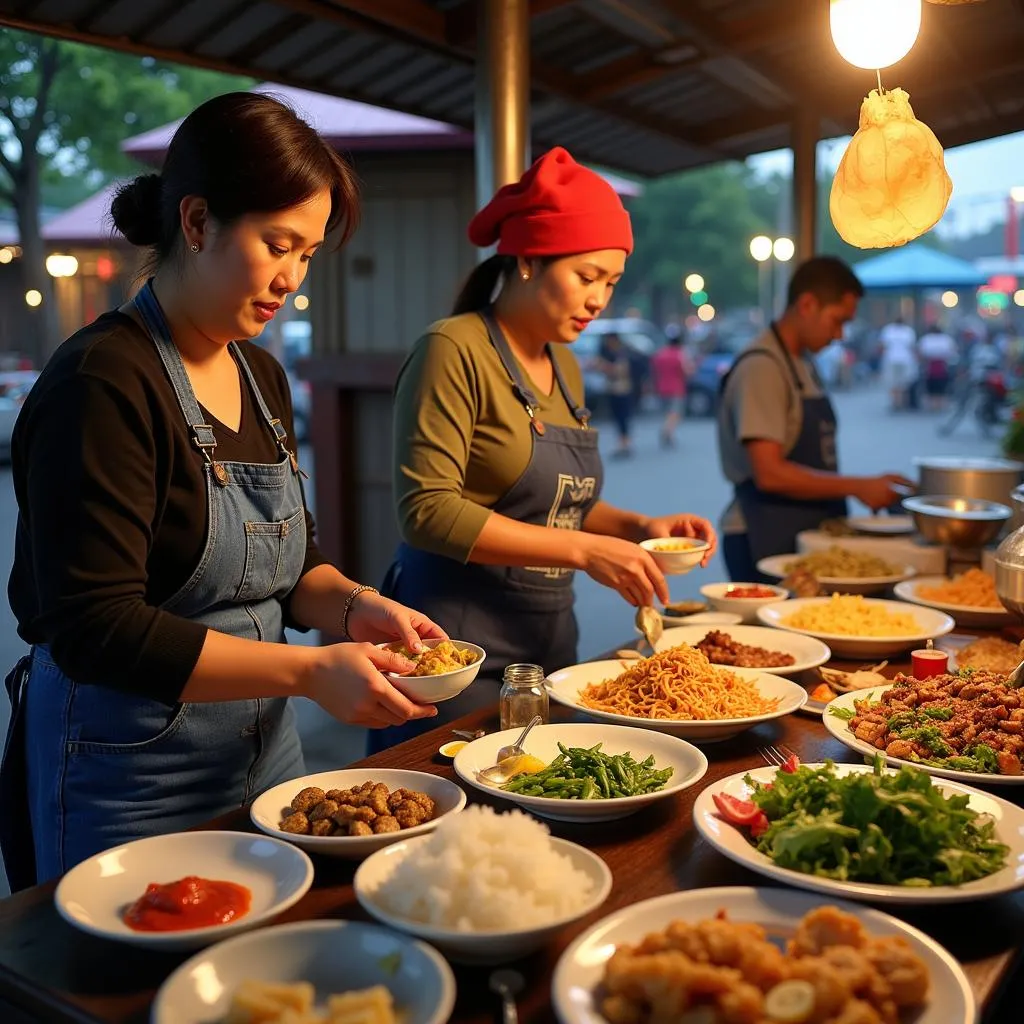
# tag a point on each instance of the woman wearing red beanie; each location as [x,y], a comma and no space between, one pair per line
[497,472]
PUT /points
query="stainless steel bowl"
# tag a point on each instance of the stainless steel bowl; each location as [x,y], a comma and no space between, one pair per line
[1009,573]
[963,523]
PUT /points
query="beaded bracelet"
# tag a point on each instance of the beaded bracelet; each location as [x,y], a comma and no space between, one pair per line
[361,589]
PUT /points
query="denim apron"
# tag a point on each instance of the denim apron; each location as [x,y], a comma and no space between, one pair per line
[516,614]
[773,520]
[88,767]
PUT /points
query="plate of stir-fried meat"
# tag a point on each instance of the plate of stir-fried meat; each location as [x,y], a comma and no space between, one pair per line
[770,650]
[963,725]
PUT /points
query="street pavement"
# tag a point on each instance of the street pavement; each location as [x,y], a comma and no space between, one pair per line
[654,481]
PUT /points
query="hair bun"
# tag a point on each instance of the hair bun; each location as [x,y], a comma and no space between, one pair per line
[136,209]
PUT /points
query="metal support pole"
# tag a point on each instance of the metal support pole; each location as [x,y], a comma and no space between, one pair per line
[806,130]
[502,133]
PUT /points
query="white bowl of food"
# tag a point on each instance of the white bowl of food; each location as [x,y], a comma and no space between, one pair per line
[184,890]
[676,555]
[752,647]
[854,626]
[484,887]
[840,570]
[291,811]
[743,598]
[306,965]
[682,762]
[433,681]
[723,704]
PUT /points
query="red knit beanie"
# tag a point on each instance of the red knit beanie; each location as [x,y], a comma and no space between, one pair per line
[557,208]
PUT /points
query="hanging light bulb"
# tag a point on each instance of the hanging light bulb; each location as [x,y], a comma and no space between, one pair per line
[873,34]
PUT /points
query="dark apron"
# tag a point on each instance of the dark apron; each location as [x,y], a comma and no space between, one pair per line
[773,520]
[516,614]
[15,823]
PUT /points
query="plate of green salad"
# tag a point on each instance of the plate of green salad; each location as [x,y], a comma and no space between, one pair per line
[866,832]
[926,724]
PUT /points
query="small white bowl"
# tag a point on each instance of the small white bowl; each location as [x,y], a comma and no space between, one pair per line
[270,807]
[490,947]
[747,607]
[333,956]
[434,689]
[93,895]
[676,563]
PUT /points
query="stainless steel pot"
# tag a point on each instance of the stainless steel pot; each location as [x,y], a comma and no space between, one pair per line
[1017,504]
[987,479]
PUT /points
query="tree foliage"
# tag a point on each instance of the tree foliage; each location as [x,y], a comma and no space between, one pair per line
[700,222]
[65,108]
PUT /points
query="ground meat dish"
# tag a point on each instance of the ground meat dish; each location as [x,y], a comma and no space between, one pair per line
[720,649]
[968,716]
[366,810]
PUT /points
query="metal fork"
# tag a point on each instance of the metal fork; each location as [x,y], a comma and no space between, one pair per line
[778,754]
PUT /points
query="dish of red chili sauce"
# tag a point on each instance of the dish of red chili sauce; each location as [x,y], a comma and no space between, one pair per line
[749,592]
[191,902]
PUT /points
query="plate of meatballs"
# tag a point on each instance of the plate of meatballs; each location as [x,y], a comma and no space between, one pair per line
[351,813]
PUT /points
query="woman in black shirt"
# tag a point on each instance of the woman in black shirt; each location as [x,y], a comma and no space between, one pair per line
[163,541]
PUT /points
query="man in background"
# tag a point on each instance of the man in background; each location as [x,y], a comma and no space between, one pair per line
[777,427]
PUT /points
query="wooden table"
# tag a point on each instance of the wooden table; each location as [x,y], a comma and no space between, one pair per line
[50,971]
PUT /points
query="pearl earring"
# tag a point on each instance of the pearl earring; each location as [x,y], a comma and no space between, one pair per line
[194,247]
[526,277]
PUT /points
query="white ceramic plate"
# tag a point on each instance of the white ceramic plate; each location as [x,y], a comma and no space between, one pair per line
[885,525]
[702,619]
[807,652]
[478,947]
[688,766]
[575,989]
[933,624]
[776,566]
[733,842]
[565,686]
[94,894]
[333,956]
[840,728]
[965,615]
[270,807]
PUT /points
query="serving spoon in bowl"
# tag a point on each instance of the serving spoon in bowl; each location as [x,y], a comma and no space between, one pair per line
[498,774]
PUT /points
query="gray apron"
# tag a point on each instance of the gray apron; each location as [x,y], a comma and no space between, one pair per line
[88,767]
[773,520]
[516,614]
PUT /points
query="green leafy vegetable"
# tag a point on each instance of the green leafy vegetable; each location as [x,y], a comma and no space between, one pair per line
[586,773]
[892,828]
[844,713]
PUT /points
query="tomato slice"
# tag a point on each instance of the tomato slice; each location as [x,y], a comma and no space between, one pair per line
[734,810]
[759,825]
[742,813]
[790,764]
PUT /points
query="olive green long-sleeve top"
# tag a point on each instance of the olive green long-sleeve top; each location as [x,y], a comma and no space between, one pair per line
[462,437]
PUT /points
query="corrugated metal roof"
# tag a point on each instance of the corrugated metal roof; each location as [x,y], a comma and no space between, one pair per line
[645,86]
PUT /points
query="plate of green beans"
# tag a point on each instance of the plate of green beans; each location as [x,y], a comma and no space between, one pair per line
[587,772]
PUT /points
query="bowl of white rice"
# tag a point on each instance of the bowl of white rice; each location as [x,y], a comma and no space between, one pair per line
[483,887]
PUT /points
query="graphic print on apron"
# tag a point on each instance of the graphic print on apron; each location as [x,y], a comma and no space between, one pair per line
[517,613]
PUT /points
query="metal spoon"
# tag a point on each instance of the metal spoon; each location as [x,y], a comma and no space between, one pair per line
[648,621]
[496,773]
[1015,680]
[507,984]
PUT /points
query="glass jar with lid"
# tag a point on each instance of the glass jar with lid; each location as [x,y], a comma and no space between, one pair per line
[522,696]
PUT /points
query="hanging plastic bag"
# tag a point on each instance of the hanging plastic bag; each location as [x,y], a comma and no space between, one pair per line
[891,185]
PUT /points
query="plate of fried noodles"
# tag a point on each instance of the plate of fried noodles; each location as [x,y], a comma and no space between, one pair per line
[677,691]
